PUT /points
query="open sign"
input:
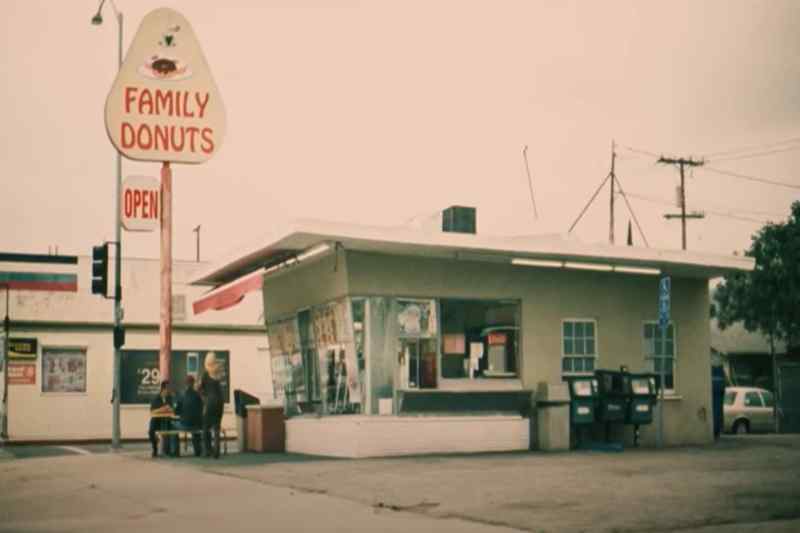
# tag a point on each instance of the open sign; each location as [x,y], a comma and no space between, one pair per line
[140,203]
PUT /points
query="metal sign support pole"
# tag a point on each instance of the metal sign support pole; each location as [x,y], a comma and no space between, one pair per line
[6,332]
[115,418]
[166,271]
[662,377]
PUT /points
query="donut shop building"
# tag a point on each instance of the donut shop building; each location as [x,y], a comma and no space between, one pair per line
[393,341]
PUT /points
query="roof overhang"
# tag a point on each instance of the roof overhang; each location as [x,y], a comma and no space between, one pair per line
[287,242]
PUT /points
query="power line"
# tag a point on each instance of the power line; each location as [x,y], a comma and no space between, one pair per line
[661,201]
[630,209]
[752,178]
[681,163]
[640,151]
[754,147]
[758,154]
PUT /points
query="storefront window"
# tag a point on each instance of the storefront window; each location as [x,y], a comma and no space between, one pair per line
[480,338]
[63,370]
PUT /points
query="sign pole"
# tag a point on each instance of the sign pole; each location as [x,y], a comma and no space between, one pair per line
[7,332]
[115,418]
[664,296]
[166,271]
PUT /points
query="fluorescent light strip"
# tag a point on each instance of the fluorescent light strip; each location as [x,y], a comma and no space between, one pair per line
[589,266]
[638,270]
[316,250]
[537,263]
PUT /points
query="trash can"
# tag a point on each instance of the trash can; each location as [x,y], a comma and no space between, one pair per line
[266,428]
[552,416]
[241,400]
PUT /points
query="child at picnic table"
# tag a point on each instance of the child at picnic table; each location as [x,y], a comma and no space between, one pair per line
[161,413]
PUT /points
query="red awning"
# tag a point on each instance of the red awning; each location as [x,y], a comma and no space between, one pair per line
[230,294]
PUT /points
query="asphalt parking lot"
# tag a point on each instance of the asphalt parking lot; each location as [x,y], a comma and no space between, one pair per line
[742,483]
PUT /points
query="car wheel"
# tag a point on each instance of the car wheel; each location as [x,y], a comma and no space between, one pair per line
[741,427]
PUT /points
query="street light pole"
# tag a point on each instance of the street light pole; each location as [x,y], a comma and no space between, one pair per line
[115,419]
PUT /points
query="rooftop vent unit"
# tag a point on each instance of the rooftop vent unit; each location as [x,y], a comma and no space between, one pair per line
[458,219]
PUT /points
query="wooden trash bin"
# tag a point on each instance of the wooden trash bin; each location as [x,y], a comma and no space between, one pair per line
[266,429]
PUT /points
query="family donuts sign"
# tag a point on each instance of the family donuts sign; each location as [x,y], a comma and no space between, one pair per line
[164,104]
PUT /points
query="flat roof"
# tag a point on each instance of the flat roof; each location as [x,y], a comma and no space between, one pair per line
[288,240]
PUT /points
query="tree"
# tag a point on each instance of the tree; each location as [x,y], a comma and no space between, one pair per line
[768,298]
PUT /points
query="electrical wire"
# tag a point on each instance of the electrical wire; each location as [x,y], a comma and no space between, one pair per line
[530,181]
[756,154]
[661,201]
[754,147]
[751,178]
[639,151]
[630,209]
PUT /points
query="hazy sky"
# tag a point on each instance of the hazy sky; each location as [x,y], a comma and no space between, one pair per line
[377,112]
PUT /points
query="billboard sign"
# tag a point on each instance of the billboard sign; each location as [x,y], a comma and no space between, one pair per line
[141,378]
[164,104]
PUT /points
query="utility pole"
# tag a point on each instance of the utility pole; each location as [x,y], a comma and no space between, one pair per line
[613,179]
[197,230]
[682,162]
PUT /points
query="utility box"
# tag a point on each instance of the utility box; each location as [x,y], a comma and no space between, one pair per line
[552,416]
[266,429]
[459,219]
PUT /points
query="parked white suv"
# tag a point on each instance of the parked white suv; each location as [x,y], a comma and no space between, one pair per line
[748,409]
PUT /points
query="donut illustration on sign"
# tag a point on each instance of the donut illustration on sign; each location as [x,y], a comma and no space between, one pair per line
[165,66]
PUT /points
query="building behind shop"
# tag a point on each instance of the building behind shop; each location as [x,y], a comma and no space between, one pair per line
[65,345]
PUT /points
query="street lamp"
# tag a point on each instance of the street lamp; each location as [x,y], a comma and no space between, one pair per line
[97,20]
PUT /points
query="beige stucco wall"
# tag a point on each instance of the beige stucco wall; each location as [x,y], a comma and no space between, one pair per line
[620,303]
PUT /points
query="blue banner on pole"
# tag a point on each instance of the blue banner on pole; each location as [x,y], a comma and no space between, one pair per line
[664,289]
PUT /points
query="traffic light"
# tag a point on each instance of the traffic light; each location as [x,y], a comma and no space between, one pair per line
[119,337]
[100,269]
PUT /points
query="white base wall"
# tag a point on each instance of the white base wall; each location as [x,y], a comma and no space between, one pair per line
[381,436]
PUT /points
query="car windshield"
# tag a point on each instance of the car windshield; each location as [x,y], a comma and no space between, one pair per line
[730,397]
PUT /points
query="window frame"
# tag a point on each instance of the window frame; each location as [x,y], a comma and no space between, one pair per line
[595,356]
[650,359]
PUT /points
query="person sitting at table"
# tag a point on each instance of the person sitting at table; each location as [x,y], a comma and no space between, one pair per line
[190,409]
[211,389]
[161,414]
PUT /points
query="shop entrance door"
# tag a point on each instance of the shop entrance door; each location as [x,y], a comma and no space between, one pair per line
[418,364]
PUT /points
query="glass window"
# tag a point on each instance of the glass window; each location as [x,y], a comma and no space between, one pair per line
[659,350]
[730,397]
[480,338]
[769,400]
[753,399]
[580,346]
[63,370]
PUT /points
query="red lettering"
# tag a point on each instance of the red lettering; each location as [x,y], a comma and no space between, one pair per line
[146,102]
[201,104]
[175,146]
[128,203]
[192,132]
[137,202]
[129,97]
[163,102]
[145,206]
[186,112]
[162,138]
[154,203]
[128,135]
[140,138]
[208,140]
